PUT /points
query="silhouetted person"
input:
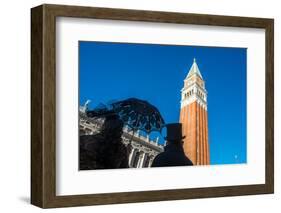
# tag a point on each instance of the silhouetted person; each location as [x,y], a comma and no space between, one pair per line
[173,154]
[104,150]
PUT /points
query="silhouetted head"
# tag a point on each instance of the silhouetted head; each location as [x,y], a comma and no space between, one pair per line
[174,132]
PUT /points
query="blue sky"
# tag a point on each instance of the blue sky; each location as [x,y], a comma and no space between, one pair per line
[116,71]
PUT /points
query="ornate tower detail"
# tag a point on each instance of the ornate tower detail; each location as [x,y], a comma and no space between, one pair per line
[194,117]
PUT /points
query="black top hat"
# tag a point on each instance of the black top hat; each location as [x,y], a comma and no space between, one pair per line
[174,132]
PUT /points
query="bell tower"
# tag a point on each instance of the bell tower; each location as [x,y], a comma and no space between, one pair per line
[194,117]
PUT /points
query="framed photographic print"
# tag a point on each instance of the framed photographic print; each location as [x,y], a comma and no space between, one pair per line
[136,106]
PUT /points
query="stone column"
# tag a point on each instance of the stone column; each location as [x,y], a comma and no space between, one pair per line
[151,160]
[143,160]
[140,162]
[131,156]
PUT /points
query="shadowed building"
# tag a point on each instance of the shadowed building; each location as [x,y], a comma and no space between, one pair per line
[194,117]
[141,150]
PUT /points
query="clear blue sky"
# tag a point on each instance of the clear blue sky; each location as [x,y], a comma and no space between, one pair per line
[116,71]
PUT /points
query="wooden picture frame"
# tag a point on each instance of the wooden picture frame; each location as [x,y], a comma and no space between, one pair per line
[43,105]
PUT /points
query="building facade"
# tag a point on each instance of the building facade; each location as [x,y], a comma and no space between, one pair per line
[194,117]
[142,150]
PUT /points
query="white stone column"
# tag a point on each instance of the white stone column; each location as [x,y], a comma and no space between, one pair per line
[151,160]
[143,160]
[131,156]
[140,160]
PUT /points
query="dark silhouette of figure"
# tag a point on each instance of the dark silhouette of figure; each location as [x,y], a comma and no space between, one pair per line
[173,154]
[104,150]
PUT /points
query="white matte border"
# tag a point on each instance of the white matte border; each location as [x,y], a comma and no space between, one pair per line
[70,181]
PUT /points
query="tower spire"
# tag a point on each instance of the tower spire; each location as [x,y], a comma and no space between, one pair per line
[194,70]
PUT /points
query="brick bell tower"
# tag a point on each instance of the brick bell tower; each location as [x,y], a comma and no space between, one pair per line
[194,117]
